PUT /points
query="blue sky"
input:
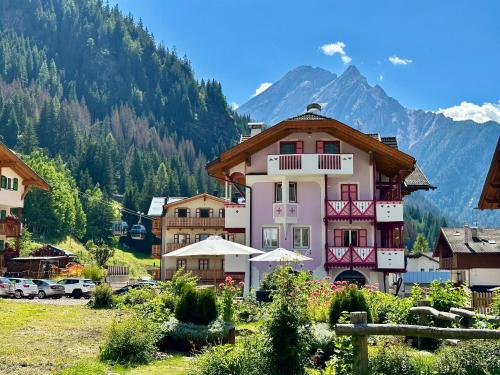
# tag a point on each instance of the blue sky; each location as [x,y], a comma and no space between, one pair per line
[444,52]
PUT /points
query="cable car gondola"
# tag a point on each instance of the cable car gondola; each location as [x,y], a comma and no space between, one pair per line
[138,231]
[120,228]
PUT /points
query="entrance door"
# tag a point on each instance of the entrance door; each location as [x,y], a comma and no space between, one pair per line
[352,276]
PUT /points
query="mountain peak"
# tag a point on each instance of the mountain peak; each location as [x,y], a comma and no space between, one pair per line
[352,72]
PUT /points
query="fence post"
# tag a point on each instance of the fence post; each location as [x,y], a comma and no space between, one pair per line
[360,345]
[422,342]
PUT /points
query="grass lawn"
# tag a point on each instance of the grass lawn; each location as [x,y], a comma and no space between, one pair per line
[45,339]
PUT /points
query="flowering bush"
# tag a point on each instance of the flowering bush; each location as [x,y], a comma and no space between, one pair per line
[229,290]
[320,298]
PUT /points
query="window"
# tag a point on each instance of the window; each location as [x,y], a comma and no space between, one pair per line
[431,269]
[422,269]
[182,238]
[9,183]
[348,191]
[204,212]
[229,237]
[4,182]
[203,264]
[301,237]
[288,148]
[347,237]
[270,238]
[181,263]
[292,192]
[182,212]
[327,147]
[222,212]
[201,236]
[3,214]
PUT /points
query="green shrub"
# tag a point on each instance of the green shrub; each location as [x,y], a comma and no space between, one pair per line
[398,360]
[129,343]
[94,272]
[248,357]
[102,297]
[287,324]
[180,279]
[158,309]
[322,344]
[212,333]
[137,296]
[248,310]
[478,357]
[197,306]
[444,296]
[350,298]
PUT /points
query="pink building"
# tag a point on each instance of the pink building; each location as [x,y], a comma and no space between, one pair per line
[317,186]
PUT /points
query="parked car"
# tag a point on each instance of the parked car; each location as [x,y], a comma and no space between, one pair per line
[49,288]
[6,287]
[24,288]
[77,288]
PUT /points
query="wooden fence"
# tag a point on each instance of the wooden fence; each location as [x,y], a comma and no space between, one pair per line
[117,271]
[360,330]
[481,301]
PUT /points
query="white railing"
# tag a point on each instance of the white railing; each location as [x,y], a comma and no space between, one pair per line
[306,164]
[391,259]
[389,211]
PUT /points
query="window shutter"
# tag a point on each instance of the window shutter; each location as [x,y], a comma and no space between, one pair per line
[299,147]
[188,238]
[176,238]
[320,147]
[196,238]
[197,212]
[188,212]
[176,214]
[362,238]
[338,238]
[16,184]
[211,214]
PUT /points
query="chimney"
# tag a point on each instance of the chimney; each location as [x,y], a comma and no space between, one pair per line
[313,108]
[255,128]
[466,234]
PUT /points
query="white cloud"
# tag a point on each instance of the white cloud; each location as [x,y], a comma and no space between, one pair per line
[234,106]
[331,49]
[395,60]
[471,111]
[381,77]
[263,87]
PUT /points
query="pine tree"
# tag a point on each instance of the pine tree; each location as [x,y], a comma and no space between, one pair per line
[29,139]
[421,245]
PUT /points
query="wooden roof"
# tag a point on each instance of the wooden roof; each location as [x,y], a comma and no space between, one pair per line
[203,196]
[490,196]
[30,178]
[390,161]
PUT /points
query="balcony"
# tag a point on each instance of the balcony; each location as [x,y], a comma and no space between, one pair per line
[351,256]
[175,246]
[156,251]
[390,259]
[350,210]
[10,227]
[156,227]
[236,215]
[446,263]
[285,213]
[310,164]
[204,275]
[195,222]
[389,211]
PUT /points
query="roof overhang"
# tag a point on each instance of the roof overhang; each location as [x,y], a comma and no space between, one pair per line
[30,178]
[389,160]
[203,196]
[490,196]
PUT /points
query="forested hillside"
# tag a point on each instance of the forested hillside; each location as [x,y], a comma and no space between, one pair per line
[81,81]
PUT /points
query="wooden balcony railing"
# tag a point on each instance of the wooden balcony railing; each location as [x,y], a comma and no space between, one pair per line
[156,251]
[352,256]
[204,275]
[175,246]
[310,164]
[446,263]
[10,227]
[195,222]
[346,210]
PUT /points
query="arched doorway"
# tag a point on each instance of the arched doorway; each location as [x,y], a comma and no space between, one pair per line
[352,276]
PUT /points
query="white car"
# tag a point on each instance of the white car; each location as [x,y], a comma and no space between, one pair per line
[77,288]
[6,287]
[24,288]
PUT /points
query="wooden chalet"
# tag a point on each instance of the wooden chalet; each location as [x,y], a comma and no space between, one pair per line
[490,196]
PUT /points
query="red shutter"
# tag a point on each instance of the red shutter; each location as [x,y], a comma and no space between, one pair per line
[338,237]
[362,238]
[320,147]
[299,147]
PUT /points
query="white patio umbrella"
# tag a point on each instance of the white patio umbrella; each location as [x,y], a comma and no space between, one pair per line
[213,245]
[280,255]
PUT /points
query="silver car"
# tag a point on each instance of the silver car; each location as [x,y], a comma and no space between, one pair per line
[48,289]
[24,288]
[6,287]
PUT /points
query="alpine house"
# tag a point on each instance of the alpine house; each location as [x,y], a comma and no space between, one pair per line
[314,185]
